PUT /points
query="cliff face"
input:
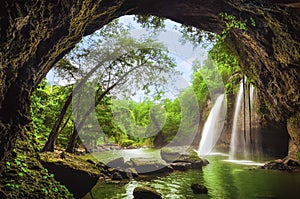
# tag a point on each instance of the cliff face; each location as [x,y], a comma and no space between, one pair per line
[35,34]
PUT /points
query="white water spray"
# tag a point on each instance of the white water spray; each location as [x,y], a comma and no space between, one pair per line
[241,144]
[212,128]
[234,135]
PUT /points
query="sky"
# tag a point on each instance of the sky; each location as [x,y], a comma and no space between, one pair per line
[183,53]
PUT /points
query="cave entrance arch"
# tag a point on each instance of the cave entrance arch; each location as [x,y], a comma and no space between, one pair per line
[36,34]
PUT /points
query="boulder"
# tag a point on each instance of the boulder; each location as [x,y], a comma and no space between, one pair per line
[205,162]
[182,154]
[146,193]
[77,175]
[289,165]
[128,173]
[131,173]
[150,165]
[117,163]
[170,154]
[116,176]
[199,189]
[181,166]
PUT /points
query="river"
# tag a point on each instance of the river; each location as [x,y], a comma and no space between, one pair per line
[224,180]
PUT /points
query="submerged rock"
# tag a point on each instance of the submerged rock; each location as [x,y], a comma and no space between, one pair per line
[146,193]
[199,189]
[150,165]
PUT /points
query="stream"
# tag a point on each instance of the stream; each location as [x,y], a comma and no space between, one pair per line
[224,179]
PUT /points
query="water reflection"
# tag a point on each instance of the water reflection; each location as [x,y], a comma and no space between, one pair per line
[219,179]
[224,180]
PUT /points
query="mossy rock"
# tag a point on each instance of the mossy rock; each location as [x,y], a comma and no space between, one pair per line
[146,193]
[24,176]
[184,154]
[77,175]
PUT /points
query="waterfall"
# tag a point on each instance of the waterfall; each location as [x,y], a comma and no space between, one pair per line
[242,144]
[212,128]
[234,135]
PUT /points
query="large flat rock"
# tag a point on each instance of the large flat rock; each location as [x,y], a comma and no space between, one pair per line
[150,165]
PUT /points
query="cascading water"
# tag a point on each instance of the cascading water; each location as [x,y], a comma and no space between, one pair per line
[212,127]
[243,144]
[234,135]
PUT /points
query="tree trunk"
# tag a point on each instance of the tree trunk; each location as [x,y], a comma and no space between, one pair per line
[73,140]
[34,34]
[49,146]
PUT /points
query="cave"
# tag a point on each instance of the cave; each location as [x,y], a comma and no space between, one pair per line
[35,34]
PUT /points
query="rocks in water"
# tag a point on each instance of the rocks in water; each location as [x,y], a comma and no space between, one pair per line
[146,193]
[199,189]
[128,173]
[104,147]
[150,165]
[205,162]
[116,176]
[131,172]
[285,164]
[170,154]
[182,154]
[117,163]
[181,166]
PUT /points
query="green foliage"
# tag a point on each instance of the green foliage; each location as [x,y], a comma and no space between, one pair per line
[46,103]
[151,22]
[196,36]
[126,73]
[25,177]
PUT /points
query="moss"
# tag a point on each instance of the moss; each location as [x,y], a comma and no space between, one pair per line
[193,155]
[24,176]
[70,161]
[294,120]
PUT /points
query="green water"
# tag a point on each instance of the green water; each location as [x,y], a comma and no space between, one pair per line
[223,179]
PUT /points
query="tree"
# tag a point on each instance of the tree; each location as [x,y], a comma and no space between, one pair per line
[112,60]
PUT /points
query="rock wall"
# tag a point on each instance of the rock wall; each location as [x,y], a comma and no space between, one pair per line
[269,137]
[293,126]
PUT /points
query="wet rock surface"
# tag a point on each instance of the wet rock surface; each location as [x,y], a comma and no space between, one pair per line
[146,193]
[150,165]
[285,164]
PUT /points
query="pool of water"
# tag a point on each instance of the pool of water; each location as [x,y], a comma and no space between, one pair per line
[224,179]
